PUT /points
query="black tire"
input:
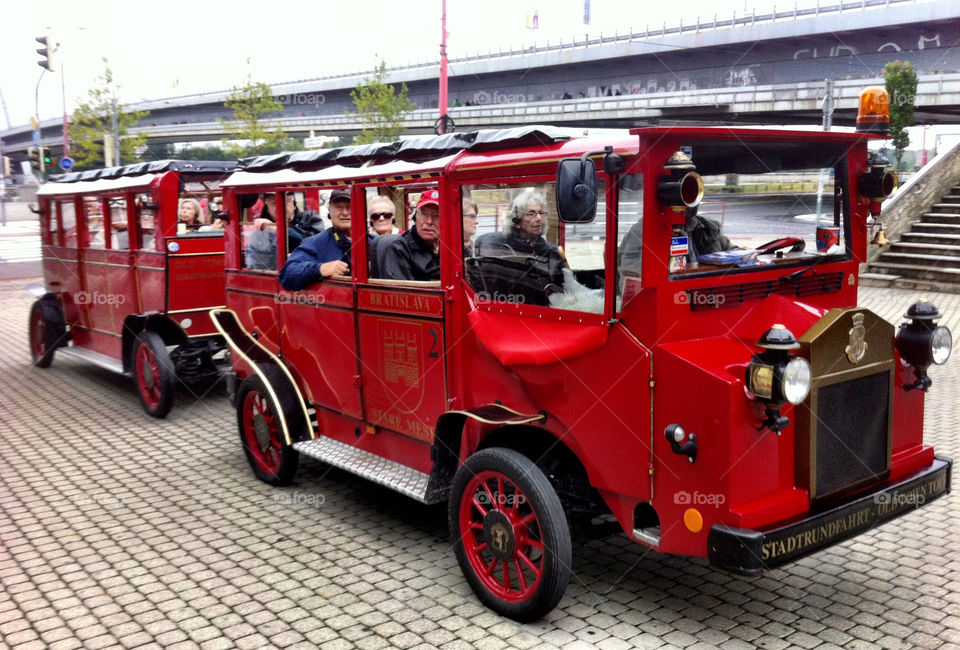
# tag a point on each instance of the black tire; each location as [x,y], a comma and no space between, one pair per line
[500,536]
[153,374]
[46,332]
[271,460]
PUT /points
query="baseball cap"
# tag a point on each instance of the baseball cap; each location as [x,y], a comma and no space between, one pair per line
[430,197]
[339,195]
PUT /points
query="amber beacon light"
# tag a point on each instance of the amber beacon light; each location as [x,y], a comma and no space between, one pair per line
[873,114]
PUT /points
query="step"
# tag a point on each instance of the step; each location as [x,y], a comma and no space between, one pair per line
[91,356]
[950,198]
[380,470]
[930,238]
[940,217]
[924,248]
[938,228]
[899,282]
[921,258]
[916,271]
[947,208]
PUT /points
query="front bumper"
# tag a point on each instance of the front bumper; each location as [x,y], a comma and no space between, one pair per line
[750,552]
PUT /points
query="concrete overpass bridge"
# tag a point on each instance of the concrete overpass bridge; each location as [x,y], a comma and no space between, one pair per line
[757,68]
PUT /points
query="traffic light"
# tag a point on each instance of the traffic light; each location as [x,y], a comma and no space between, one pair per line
[47,52]
[39,158]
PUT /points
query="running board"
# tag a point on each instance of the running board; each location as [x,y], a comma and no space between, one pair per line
[649,536]
[388,473]
[91,356]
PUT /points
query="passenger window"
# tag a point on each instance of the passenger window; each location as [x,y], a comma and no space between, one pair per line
[258,234]
[301,222]
[119,237]
[146,217]
[521,253]
[68,224]
[405,222]
[96,229]
[629,236]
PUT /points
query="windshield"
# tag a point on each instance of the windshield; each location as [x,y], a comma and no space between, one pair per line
[764,203]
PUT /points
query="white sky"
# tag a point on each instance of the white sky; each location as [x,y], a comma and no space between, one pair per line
[176,47]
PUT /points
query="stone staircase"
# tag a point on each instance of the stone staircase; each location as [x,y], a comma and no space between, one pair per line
[928,255]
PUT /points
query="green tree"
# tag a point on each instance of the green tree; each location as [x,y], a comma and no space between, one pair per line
[901,85]
[251,104]
[380,107]
[209,152]
[93,119]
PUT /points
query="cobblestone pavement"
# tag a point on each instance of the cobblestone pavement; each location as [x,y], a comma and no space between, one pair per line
[119,530]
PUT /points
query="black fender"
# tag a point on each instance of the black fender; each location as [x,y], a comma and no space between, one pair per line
[445,450]
[294,418]
[154,321]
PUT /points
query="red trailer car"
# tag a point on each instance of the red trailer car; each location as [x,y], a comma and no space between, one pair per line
[704,381]
[128,285]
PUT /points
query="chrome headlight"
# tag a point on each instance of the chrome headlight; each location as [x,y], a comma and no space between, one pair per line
[796,380]
[940,345]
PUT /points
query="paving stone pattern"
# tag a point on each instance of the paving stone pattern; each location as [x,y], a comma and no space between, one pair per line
[120,531]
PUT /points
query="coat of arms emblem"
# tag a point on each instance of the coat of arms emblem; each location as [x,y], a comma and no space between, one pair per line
[857,347]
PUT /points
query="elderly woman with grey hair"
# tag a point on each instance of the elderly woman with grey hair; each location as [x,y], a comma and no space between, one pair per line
[532,267]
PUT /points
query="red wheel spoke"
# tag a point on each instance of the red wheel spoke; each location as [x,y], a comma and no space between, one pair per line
[486,488]
[506,575]
[479,506]
[475,525]
[537,544]
[491,567]
[526,520]
[499,503]
[520,576]
[521,556]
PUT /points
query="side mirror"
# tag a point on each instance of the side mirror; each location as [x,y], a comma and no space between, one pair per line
[34,209]
[577,190]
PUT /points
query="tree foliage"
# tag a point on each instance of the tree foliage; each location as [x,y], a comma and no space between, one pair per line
[251,105]
[93,118]
[901,84]
[380,107]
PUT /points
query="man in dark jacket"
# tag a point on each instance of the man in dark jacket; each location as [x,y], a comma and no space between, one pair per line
[415,255]
[323,255]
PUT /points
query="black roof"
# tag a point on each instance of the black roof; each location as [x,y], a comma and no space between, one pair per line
[416,149]
[154,167]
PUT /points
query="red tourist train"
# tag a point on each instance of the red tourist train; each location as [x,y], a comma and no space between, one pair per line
[655,328]
[129,284]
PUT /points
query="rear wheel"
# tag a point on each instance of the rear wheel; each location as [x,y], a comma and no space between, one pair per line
[261,434]
[154,373]
[46,332]
[510,534]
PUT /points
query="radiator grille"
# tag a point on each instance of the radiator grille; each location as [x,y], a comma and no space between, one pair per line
[736,294]
[851,433]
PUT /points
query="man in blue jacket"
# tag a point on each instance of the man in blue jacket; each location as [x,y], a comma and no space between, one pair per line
[323,255]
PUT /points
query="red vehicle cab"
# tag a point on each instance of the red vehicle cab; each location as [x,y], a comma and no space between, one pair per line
[601,352]
[132,264]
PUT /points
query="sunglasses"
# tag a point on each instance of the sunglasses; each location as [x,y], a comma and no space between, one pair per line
[377,216]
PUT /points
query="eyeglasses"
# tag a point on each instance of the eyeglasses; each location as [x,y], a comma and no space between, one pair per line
[533,213]
[377,216]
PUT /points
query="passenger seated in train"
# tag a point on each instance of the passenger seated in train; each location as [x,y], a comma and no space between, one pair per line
[324,255]
[703,236]
[519,264]
[261,249]
[382,217]
[415,255]
[190,215]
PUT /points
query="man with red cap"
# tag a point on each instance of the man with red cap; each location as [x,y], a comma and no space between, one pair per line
[415,255]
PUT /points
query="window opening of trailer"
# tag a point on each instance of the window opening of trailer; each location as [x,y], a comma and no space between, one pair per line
[96,229]
[258,232]
[629,236]
[408,249]
[117,236]
[146,212]
[764,204]
[521,253]
[68,223]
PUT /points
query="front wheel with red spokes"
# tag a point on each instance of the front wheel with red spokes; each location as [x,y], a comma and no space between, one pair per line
[154,374]
[510,533]
[271,459]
